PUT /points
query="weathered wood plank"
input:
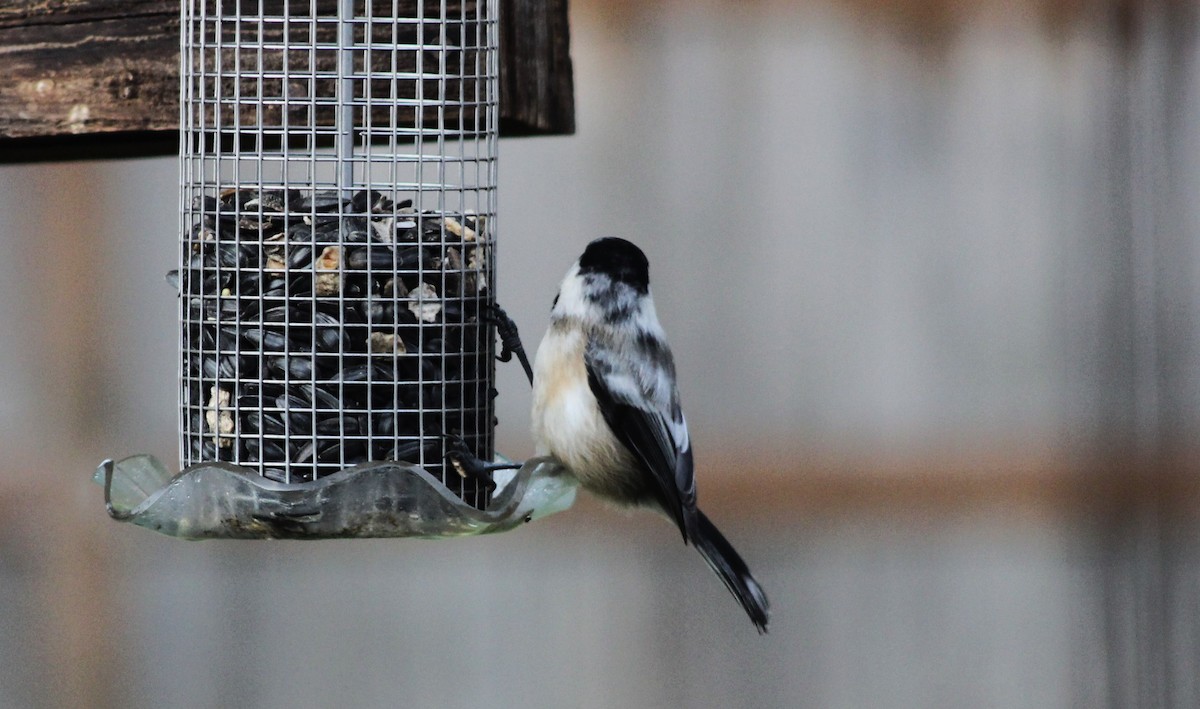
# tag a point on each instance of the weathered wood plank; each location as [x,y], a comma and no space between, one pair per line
[536,79]
[99,78]
[89,77]
[15,13]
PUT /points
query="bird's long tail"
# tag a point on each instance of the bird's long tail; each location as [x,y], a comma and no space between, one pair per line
[724,560]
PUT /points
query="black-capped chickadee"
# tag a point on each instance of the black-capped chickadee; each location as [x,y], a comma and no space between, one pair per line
[606,406]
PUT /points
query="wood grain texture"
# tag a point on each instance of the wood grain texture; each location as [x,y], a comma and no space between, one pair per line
[536,79]
[100,78]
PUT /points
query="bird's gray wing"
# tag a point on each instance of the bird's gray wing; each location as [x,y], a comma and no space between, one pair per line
[641,406]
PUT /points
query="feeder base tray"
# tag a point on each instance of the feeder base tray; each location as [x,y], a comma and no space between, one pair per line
[381,499]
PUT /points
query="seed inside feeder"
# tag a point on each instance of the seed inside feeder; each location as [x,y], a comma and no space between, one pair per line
[327,282]
[423,302]
[305,361]
[218,417]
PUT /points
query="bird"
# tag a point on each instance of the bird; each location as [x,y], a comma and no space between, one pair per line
[606,405]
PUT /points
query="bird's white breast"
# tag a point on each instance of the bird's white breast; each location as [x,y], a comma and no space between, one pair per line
[566,421]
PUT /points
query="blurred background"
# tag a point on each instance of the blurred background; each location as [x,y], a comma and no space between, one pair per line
[931,274]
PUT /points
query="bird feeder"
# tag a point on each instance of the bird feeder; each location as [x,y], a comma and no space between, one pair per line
[336,278]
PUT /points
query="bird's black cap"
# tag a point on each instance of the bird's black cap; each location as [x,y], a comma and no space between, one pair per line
[618,259]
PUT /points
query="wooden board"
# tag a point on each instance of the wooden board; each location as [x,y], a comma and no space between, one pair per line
[100,78]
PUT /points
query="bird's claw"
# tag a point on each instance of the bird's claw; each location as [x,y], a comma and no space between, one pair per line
[510,339]
[468,466]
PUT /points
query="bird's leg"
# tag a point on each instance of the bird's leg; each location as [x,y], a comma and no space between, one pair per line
[458,455]
[469,467]
[510,339]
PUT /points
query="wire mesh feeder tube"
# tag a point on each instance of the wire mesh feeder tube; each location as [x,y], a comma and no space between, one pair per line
[338,186]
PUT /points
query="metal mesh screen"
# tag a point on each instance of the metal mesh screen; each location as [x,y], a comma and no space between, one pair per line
[338,173]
